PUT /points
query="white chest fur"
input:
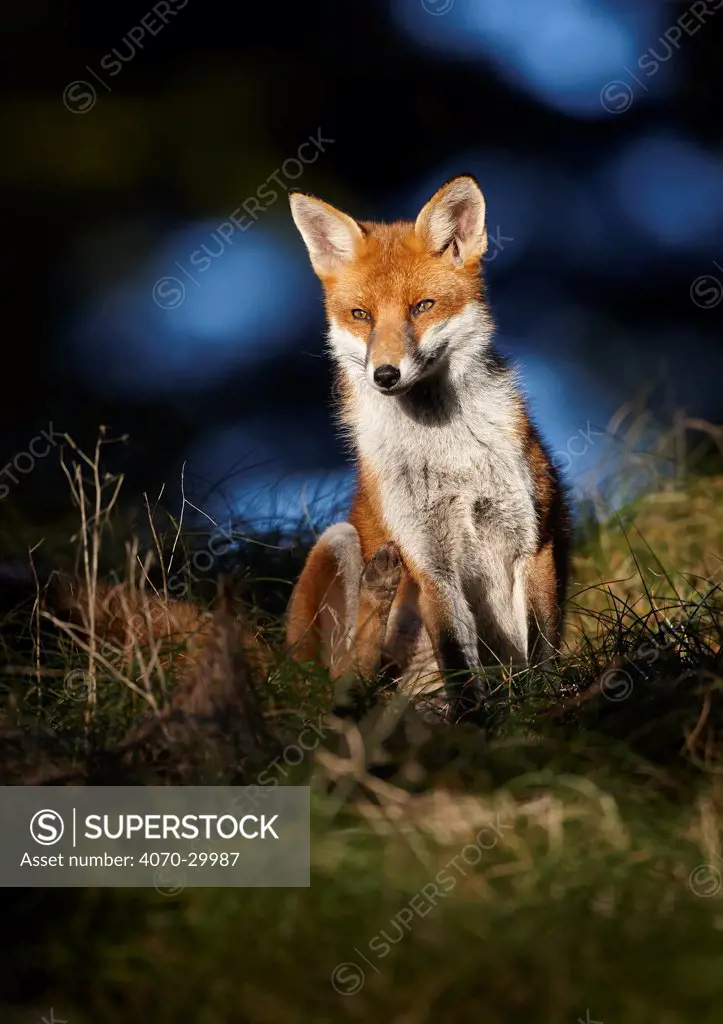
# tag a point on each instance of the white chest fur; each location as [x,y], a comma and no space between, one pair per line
[455,487]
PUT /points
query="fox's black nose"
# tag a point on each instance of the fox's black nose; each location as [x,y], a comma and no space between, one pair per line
[386,376]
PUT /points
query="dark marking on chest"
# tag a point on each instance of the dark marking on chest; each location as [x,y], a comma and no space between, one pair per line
[483,510]
[406,475]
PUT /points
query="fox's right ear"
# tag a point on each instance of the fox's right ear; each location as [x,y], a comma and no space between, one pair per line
[330,235]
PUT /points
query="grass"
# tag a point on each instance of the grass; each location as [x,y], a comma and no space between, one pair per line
[565,865]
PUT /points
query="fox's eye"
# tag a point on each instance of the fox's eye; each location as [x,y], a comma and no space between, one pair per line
[422,307]
[360,314]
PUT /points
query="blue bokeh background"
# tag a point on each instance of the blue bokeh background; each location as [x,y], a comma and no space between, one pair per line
[591,125]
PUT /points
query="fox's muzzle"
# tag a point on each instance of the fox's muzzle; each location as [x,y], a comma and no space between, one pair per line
[390,358]
[386,376]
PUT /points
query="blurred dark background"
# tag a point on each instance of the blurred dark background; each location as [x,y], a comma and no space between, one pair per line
[154,281]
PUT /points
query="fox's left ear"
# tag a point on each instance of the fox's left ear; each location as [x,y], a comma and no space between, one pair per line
[454,219]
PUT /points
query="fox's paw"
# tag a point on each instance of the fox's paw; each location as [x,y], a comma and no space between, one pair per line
[467,704]
[383,571]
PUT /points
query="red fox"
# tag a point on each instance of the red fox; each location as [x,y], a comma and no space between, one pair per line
[455,552]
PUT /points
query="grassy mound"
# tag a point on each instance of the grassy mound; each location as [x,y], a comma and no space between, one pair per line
[565,864]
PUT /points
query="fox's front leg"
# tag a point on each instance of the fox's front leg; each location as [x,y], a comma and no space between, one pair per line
[452,630]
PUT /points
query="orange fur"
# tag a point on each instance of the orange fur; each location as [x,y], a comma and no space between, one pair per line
[310,630]
[383,271]
[366,515]
[391,272]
